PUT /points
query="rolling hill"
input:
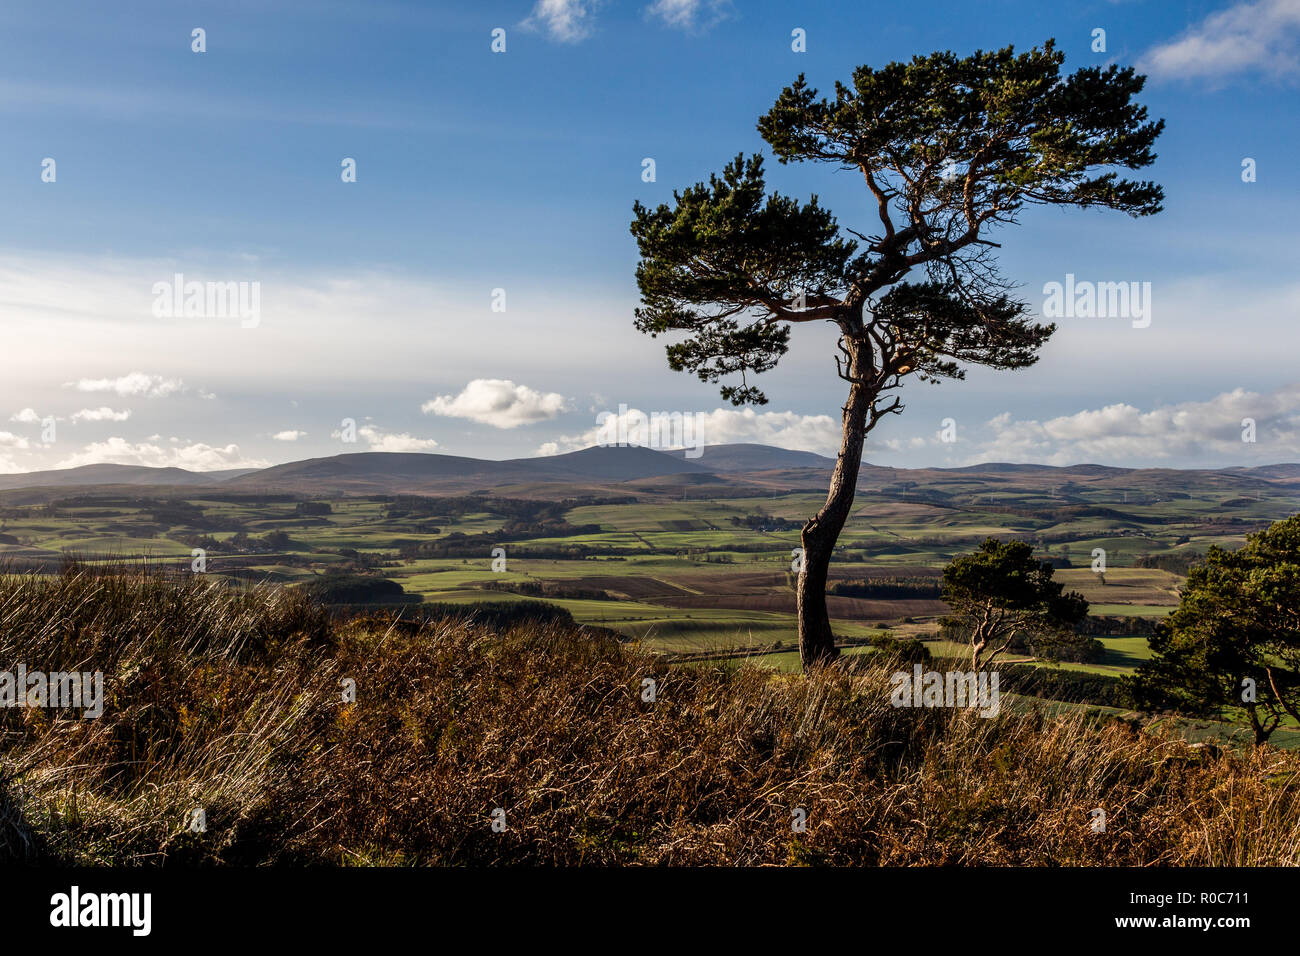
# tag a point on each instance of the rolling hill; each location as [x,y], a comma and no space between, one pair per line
[741,468]
[109,474]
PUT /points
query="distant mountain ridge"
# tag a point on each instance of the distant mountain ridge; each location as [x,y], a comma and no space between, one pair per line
[110,474]
[378,472]
[763,467]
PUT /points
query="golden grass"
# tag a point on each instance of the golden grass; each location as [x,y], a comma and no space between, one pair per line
[231,701]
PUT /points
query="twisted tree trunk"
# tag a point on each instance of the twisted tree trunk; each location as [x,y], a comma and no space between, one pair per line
[816,640]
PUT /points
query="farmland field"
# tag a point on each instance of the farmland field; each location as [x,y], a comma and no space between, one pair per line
[700,575]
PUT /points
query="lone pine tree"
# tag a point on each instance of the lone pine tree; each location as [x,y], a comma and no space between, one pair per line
[949,148]
[1000,592]
[1234,640]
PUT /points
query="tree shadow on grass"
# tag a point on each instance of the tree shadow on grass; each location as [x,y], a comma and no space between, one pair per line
[19,842]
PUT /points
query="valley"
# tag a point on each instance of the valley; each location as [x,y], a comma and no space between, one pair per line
[689,557]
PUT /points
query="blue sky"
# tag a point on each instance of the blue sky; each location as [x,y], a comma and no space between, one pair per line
[478,171]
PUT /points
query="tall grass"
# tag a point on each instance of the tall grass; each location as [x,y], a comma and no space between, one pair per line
[232,701]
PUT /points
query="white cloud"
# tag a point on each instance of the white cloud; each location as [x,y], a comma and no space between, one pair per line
[897,444]
[101,414]
[9,441]
[689,14]
[568,21]
[195,456]
[1123,434]
[1263,36]
[395,441]
[27,416]
[815,433]
[290,434]
[379,440]
[133,383]
[497,402]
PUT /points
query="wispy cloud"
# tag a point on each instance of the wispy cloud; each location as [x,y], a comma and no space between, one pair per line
[1122,434]
[690,14]
[101,414]
[568,21]
[133,383]
[1263,37]
[815,433]
[194,456]
[378,440]
[497,402]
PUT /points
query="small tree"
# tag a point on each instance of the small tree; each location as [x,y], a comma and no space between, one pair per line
[1234,640]
[1002,592]
[949,148]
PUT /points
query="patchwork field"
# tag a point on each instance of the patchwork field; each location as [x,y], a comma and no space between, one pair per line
[702,575]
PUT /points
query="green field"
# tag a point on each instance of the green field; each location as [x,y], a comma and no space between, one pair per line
[699,575]
[704,578]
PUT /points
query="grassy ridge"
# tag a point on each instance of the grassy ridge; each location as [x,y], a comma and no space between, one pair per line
[230,701]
